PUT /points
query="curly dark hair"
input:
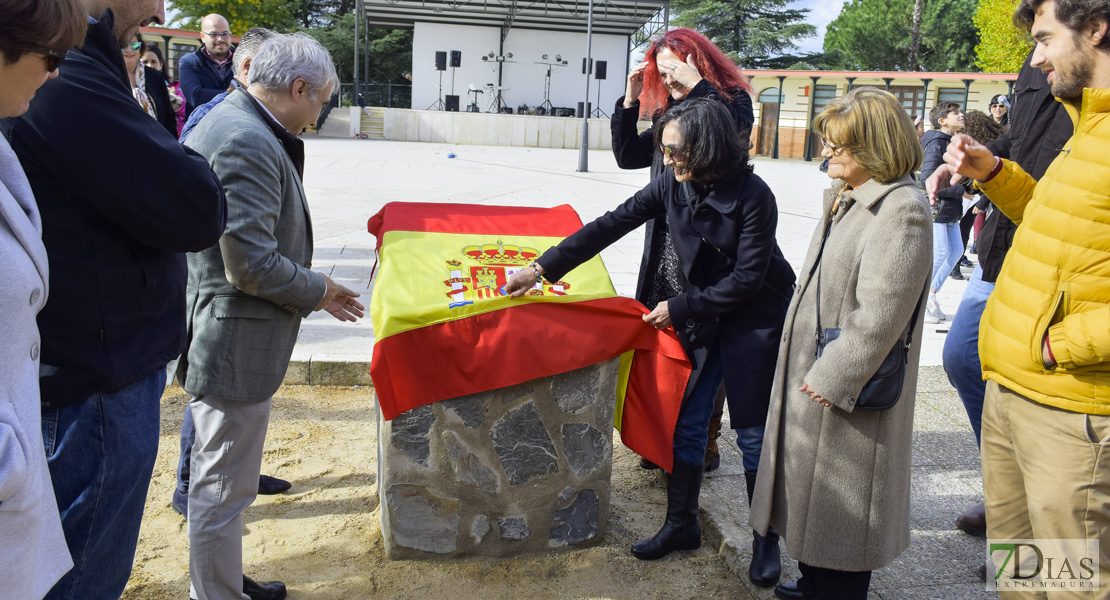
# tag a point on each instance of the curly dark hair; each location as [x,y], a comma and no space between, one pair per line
[982,126]
[715,151]
[1075,14]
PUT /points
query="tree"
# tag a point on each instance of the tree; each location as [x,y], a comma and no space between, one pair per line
[390,50]
[321,13]
[949,36]
[877,35]
[1002,46]
[915,35]
[749,31]
[240,14]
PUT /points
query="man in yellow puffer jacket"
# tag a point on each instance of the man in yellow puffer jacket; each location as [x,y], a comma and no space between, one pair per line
[1045,333]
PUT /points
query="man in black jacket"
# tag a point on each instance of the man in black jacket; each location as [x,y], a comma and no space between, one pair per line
[1039,128]
[115,237]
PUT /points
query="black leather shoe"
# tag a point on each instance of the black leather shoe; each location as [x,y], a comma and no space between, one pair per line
[268,486]
[647,464]
[956,274]
[789,591]
[180,503]
[973,522]
[263,590]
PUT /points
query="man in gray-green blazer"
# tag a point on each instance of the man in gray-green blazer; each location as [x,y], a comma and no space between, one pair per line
[246,299]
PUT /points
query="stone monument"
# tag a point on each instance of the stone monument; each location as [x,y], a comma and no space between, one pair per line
[518,469]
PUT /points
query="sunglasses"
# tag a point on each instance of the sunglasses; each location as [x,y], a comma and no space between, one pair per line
[135,45]
[832,147]
[54,58]
[671,152]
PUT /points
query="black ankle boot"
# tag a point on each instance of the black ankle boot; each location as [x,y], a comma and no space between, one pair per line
[766,566]
[681,530]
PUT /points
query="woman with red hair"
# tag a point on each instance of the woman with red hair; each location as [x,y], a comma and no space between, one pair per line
[680,65]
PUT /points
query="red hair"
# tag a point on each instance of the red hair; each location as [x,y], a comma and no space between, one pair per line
[713,65]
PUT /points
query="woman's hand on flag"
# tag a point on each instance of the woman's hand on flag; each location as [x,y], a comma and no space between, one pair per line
[521,281]
[660,318]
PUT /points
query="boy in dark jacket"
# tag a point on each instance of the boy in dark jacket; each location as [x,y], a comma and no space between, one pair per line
[947,120]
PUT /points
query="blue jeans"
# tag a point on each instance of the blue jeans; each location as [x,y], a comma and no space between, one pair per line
[750,441]
[101,454]
[961,349]
[188,434]
[691,432]
[947,249]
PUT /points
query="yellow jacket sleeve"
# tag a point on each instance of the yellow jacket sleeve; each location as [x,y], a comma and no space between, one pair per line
[1010,190]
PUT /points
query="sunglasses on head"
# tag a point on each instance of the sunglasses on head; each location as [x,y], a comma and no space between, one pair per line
[54,58]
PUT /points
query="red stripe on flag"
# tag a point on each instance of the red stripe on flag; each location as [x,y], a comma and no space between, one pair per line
[560,221]
[498,349]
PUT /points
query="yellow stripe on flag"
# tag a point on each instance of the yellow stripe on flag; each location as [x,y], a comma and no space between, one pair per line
[428,278]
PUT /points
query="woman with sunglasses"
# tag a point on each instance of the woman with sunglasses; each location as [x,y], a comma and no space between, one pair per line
[152,59]
[35,36]
[834,477]
[148,86]
[735,285]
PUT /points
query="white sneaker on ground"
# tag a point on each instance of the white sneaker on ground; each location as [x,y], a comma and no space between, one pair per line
[933,313]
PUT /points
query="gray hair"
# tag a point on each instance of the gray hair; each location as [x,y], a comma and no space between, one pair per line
[250,43]
[284,58]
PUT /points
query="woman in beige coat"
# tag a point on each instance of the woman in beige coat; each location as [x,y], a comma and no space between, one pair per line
[834,479]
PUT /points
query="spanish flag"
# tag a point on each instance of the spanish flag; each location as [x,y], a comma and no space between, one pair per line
[443,328]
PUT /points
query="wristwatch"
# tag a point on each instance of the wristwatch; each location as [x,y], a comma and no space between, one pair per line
[536,269]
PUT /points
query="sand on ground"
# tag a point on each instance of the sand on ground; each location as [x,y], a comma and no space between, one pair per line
[323,538]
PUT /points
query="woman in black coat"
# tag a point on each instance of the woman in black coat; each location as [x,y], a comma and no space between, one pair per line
[681,64]
[735,289]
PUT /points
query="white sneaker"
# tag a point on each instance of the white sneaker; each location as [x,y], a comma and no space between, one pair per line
[933,313]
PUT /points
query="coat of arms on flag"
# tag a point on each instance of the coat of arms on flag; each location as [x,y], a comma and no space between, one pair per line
[445,329]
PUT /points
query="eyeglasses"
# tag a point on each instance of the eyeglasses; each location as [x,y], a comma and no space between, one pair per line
[213,34]
[671,152]
[832,148]
[54,58]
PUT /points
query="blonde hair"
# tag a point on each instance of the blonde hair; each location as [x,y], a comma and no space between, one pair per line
[873,125]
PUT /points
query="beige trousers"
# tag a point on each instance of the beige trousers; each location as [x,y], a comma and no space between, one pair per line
[1046,475]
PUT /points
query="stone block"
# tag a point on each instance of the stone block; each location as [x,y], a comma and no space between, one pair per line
[500,473]
[523,445]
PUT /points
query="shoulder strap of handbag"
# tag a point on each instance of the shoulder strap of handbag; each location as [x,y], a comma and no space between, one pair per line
[817,265]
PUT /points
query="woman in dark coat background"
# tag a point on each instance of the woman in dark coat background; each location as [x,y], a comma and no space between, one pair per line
[735,287]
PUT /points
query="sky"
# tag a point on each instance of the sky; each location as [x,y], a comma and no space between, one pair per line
[821,13]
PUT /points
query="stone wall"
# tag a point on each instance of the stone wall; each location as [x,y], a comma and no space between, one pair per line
[519,469]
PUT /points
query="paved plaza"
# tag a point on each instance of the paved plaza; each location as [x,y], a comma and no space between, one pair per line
[349,180]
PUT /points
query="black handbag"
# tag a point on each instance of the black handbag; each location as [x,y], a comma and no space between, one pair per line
[885,386]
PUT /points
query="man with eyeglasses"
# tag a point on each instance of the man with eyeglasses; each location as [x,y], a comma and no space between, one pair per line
[208,72]
[115,240]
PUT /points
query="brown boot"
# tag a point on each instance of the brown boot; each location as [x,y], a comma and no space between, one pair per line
[712,452]
[974,521]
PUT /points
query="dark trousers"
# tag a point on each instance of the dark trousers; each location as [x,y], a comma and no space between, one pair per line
[966,224]
[827,584]
[188,434]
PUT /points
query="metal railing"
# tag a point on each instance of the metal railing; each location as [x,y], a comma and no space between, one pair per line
[390,95]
